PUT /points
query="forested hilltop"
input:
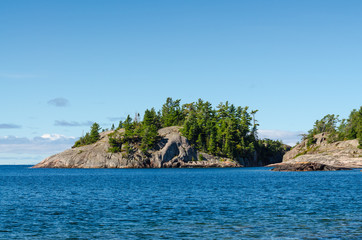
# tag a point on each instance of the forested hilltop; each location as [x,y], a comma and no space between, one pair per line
[332,142]
[337,129]
[226,131]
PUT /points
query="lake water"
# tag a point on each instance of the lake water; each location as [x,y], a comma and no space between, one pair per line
[243,203]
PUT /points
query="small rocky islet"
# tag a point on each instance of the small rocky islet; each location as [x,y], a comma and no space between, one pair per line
[172,151]
[306,166]
[322,155]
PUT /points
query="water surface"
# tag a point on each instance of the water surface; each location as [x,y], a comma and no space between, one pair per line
[243,203]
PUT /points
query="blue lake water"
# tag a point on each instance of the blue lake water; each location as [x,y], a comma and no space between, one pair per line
[243,203]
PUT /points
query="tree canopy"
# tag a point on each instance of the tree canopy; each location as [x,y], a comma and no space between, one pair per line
[227,130]
[338,130]
[89,138]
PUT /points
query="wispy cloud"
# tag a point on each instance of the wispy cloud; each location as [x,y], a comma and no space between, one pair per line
[22,150]
[9,126]
[59,102]
[288,137]
[45,144]
[63,123]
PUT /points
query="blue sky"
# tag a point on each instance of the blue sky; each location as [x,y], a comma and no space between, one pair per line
[65,64]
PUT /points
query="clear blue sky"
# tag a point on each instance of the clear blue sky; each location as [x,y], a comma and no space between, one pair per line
[64,64]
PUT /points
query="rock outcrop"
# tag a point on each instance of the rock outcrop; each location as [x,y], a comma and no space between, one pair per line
[306,166]
[339,154]
[172,151]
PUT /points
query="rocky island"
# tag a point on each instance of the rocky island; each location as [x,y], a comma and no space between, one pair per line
[173,150]
[344,154]
[328,146]
[189,136]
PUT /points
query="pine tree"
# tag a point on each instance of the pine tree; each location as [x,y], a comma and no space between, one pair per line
[94,133]
[120,125]
[171,113]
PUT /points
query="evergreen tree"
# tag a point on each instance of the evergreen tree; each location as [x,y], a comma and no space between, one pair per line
[89,138]
[120,125]
[128,127]
[171,113]
[338,130]
[151,118]
[225,131]
[150,125]
[94,133]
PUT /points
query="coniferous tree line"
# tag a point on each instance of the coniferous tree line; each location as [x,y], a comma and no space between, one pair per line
[227,130]
[89,138]
[338,130]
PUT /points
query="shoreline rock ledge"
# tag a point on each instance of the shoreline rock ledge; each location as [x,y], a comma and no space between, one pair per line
[306,166]
[343,154]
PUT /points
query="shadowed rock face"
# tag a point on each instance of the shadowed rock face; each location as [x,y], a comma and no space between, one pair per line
[340,154]
[307,166]
[173,150]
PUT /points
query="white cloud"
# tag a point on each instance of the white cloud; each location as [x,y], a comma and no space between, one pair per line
[54,137]
[45,144]
[288,137]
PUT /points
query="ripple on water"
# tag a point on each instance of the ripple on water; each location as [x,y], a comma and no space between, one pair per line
[178,203]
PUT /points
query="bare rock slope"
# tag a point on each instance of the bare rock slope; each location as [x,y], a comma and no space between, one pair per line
[339,154]
[173,150]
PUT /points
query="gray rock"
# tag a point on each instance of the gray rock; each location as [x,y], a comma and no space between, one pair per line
[306,166]
[173,150]
[340,154]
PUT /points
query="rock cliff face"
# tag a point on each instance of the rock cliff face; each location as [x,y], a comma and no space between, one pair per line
[340,154]
[173,150]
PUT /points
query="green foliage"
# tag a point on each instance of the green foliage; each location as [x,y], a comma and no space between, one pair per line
[270,151]
[94,133]
[89,138]
[120,125]
[142,134]
[149,137]
[200,157]
[354,126]
[171,113]
[151,118]
[310,140]
[338,130]
[115,142]
[225,131]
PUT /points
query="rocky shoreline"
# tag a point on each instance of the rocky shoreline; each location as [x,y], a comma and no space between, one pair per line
[343,154]
[172,151]
[306,166]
